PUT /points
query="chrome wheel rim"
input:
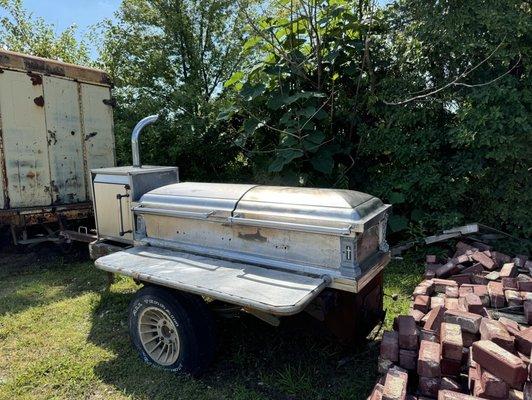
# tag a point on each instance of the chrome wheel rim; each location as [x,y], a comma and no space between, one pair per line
[158,335]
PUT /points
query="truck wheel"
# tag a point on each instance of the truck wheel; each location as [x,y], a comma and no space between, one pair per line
[172,330]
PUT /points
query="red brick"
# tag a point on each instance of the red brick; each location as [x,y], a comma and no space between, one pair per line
[509,283]
[422,303]
[428,363]
[526,296]
[436,301]
[417,315]
[479,279]
[513,298]
[390,346]
[497,333]
[511,326]
[474,269]
[461,278]
[464,290]
[435,318]
[440,285]
[493,276]
[451,291]
[450,367]
[469,322]
[429,386]
[395,385]
[473,303]
[376,394]
[425,334]
[408,333]
[500,363]
[484,259]
[408,359]
[473,376]
[508,270]
[451,341]
[451,304]
[448,383]
[490,386]
[481,291]
[464,258]
[462,304]
[514,394]
[500,258]
[496,293]
[451,395]
[523,341]
[528,311]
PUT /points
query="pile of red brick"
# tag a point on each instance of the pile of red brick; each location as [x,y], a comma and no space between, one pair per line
[467,335]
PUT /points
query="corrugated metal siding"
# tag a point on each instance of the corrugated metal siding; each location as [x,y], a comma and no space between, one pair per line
[53,131]
[25,141]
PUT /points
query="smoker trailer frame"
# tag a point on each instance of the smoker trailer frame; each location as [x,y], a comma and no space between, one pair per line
[56,124]
[269,251]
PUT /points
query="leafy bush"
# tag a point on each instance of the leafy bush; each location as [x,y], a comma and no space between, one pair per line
[424,103]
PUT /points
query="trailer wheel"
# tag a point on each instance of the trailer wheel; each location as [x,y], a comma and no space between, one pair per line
[172,330]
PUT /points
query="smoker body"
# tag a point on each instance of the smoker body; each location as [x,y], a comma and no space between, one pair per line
[270,251]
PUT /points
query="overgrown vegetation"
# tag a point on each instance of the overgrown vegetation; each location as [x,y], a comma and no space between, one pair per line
[425,104]
[64,335]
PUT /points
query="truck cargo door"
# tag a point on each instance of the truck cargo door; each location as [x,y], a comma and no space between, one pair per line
[25,143]
[65,140]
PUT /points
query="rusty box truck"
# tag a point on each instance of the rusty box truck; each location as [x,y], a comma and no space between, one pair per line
[56,124]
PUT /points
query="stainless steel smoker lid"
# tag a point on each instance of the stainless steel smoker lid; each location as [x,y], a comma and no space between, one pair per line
[346,209]
[217,199]
[311,206]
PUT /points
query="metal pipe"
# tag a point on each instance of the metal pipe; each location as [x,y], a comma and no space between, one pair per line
[135,137]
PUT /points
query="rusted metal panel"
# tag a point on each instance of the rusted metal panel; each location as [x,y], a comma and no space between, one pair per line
[24,62]
[24,141]
[54,127]
[97,125]
[65,141]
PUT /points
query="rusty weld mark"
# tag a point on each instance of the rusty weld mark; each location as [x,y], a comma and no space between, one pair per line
[255,237]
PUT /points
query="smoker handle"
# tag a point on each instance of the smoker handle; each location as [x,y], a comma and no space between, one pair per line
[171,213]
[328,230]
[119,198]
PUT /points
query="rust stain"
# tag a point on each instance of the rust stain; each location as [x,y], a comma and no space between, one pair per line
[31,175]
[39,101]
[35,79]
[255,237]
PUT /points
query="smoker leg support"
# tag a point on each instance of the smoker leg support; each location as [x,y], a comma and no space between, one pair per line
[356,314]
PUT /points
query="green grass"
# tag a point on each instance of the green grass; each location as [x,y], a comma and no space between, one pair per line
[63,335]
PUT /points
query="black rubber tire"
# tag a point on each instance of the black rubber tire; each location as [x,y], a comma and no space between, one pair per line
[192,319]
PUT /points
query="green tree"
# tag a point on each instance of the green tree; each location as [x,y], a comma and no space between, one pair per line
[423,103]
[22,32]
[171,57]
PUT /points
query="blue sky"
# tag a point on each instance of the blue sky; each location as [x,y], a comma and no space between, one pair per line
[83,13]
[63,13]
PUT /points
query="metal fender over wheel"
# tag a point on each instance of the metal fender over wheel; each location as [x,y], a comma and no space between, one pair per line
[172,330]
